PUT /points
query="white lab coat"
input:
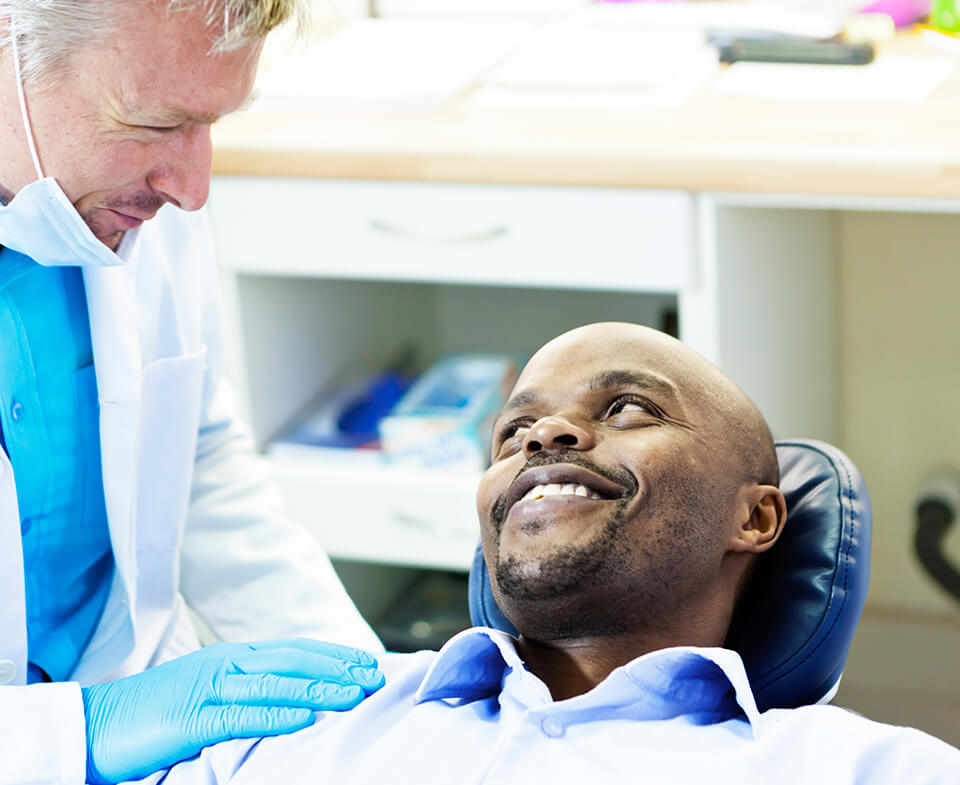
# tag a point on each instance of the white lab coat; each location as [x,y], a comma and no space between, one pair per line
[189,506]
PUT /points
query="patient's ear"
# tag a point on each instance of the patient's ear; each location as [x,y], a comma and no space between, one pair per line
[762,519]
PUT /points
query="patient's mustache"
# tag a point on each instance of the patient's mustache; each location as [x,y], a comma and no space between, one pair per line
[621,477]
[569,457]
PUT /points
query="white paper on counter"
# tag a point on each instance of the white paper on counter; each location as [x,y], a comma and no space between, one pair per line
[898,78]
[392,64]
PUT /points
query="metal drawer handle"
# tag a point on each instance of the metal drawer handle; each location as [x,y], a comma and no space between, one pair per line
[439,237]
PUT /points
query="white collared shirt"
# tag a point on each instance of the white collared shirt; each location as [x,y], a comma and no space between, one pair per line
[473,713]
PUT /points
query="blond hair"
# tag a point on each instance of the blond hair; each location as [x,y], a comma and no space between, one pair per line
[49,30]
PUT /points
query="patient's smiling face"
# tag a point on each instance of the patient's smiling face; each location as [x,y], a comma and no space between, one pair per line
[611,480]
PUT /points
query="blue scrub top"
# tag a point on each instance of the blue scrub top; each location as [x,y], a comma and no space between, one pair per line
[49,428]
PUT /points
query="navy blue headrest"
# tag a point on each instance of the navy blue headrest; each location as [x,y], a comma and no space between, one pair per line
[795,622]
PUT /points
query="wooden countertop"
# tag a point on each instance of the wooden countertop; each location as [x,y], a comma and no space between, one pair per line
[708,143]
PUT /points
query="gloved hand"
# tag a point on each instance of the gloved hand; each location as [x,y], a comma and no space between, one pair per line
[149,721]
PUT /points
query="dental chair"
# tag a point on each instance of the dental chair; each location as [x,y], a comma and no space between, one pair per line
[795,622]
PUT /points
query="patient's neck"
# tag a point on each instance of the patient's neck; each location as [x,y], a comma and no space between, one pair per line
[571,665]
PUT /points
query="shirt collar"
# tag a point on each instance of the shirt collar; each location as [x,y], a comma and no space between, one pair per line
[471,665]
[705,684]
[13,265]
[709,678]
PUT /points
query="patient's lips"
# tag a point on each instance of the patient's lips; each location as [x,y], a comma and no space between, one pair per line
[561,482]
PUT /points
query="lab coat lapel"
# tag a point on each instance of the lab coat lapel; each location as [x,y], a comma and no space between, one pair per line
[13,618]
[114,327]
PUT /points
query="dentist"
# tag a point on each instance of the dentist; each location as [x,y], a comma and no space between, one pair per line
[126,484]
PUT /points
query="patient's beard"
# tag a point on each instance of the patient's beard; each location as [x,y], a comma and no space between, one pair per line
[564,568]
[643,565]
[550,584]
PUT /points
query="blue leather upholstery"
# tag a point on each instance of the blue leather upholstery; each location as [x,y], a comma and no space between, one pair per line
[795,622]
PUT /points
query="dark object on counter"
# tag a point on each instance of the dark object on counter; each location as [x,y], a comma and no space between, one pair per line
[744,50]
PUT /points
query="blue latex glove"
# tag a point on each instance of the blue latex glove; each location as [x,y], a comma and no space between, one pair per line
[166,714]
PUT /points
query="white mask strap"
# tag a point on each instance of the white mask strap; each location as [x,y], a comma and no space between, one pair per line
[23,103]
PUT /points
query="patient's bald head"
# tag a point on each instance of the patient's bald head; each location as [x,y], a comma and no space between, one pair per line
[632,487]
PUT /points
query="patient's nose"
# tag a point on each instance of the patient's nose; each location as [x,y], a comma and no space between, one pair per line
[550,434]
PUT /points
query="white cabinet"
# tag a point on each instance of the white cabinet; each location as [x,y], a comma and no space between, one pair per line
[322,278]
[567,238]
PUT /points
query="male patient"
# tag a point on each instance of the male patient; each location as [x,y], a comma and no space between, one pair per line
[633,488]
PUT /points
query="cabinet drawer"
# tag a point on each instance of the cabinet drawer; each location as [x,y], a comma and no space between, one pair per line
[383,514]
[582,238]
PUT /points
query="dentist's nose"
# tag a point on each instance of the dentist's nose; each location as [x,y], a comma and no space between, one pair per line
[554,433]
[184,179]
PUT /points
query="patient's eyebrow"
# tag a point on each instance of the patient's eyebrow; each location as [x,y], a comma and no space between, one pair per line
[643,379]
[521,400]
[603,381]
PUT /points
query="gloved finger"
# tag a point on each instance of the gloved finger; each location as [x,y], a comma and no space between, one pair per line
[265,689]
[301,664]
[348,653]
[221,723]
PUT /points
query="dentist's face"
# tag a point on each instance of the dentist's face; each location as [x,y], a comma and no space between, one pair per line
[609,478]
[125,126]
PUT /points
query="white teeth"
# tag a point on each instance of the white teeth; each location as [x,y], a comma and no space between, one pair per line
[556,489]
[536,492]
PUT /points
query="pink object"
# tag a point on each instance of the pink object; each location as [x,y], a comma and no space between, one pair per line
[903,12]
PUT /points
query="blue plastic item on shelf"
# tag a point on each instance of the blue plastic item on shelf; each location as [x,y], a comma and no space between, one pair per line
[348,417]
[444,420]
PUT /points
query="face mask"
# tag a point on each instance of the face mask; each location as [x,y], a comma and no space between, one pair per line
[40,222]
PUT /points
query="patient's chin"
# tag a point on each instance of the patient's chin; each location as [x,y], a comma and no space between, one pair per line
[558,572]
[536,579]
[549,598]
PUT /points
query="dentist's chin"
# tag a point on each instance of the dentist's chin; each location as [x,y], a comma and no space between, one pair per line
[109,226]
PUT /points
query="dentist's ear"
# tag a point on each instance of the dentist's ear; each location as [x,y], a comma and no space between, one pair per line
[761,523]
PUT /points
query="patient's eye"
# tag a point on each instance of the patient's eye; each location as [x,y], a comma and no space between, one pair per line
[510,437]
[627,410]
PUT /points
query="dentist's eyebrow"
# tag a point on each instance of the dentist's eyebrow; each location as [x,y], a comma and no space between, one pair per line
[641,379]
[177,114]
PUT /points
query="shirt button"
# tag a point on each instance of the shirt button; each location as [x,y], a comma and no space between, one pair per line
[8,670]
[16,410]
[551,728]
